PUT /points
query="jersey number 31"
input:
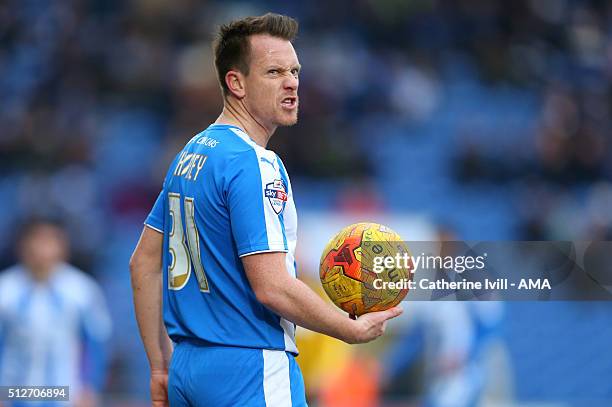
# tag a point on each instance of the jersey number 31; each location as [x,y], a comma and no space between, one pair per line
[185,252]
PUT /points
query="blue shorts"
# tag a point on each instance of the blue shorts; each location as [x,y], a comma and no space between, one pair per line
[202,375]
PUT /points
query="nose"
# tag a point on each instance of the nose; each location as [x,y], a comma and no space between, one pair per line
[291,82]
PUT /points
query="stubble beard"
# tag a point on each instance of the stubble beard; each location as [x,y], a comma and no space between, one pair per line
[289,122]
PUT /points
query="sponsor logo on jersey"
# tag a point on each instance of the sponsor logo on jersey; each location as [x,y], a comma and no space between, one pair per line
[277,195]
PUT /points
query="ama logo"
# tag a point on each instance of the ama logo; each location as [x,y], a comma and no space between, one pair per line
[277,195]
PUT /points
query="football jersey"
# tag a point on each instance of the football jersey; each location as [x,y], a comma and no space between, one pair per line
[224,197]
[52,333]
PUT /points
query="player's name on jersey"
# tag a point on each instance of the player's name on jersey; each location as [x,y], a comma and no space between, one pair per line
[189,165]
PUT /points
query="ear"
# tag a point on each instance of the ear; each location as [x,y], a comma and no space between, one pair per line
[235,83]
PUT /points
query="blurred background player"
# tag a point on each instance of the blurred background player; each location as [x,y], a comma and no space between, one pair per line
[448,361]
[54,324]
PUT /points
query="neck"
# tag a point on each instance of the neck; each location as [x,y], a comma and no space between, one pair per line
[237,114]
[40,274]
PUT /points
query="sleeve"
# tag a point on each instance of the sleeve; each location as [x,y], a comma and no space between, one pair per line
[155,220]
[256,198]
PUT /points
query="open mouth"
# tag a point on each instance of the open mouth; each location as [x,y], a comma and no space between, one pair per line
[289,102]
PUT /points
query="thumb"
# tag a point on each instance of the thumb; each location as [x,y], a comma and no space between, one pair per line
[392,313]
[378,317]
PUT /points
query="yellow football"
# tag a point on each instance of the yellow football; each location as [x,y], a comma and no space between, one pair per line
[347,274]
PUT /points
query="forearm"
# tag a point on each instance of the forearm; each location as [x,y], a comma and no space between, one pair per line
[296,302]
[146,269]
[147,289]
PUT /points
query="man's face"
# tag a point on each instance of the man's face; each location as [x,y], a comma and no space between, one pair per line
[43,248]
[272,83]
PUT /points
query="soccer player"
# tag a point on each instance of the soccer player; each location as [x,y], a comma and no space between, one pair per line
[225,225]
[54,323]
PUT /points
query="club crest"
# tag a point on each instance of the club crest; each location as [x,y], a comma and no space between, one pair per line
[277,195]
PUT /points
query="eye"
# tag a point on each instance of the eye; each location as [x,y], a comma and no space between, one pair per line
[273,71]
[295,71]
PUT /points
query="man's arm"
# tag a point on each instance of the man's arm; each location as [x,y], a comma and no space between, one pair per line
[295,301]
[145,268]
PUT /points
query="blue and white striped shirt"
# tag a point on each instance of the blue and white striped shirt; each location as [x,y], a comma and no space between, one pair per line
[52,332]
